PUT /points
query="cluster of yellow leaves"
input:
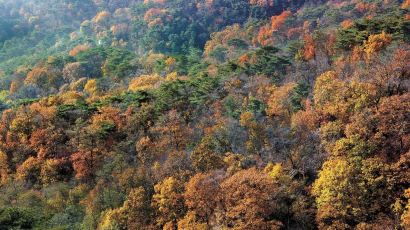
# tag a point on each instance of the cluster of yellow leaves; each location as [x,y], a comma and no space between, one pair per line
[190,222]
[112,219]
[222,37]
[234,162]
[50,170]
[145,82]
[246,118]
[325,87]
[204,157]
[4,168]
[376,43]
[14,86]
[170,61]
[40,76]
[70,97]
[275,171]
[46,112]
[168,200]
[29,169]
[85,27]
[405,218]
[256,133]
[279,103]
[332,185]
[91,87]
[333,180]
[335,97]
[78,85]
[172,76]
[357,53]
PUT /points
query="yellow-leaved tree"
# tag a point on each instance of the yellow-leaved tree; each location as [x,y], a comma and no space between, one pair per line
[4,168]
[91,87]
[375,43]
[405,218]
[168,201]
[145,82]
[335,194]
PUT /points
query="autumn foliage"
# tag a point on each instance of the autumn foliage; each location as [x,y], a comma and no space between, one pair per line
[204,114]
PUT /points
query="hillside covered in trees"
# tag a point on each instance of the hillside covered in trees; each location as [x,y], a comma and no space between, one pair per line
[204,114]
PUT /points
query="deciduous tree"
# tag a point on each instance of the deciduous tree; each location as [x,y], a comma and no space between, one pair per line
[248,198]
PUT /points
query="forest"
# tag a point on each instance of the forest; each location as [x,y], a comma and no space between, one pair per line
[205,114]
